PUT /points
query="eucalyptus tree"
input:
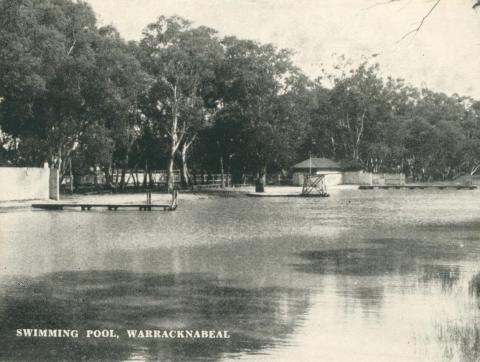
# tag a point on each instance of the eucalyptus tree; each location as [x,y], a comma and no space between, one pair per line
[181,60]
[358,106]
[60,78]
[471,149]
[45,58]
[449,146]
[256,83]
[116,84]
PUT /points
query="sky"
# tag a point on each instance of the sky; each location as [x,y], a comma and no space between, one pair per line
[443,55]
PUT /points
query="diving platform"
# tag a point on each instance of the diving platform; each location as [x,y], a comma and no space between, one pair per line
[148,206]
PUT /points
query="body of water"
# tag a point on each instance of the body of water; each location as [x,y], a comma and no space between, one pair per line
[362,275]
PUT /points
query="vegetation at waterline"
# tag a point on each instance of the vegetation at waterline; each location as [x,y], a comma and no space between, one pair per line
[78,96]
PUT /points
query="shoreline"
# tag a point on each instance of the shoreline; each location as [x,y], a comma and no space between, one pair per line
[195,194]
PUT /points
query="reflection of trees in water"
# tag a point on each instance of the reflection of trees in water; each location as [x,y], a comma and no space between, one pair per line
[370,299]
[356,293]
[355,261]
[256,318]
[447,275]
[474,286]
[385,256]
[360,270]
[460,337]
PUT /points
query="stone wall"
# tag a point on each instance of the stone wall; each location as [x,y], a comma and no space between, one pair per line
[27,183]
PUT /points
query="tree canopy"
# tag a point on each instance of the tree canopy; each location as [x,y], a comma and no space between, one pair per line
[78,96]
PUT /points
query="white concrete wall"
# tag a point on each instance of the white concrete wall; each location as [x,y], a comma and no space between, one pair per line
[24,183]
[54,184]
[388,179]
[394,179]
[357,178]
[332,179]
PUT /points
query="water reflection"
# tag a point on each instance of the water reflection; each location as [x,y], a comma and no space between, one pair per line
[256,317]
[387,256]
[352,261]
[383,274]
[474,285]
[460,336]
[461,339]
[447,275]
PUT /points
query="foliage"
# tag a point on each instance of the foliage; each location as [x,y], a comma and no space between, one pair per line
[185,98]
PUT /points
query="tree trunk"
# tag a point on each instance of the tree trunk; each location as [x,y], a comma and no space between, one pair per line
[71,177]
[95,178]
[124,170]
[185,174]
[194,177]
[151,183]
[358,136]
[108,177]
[174,141]
[136,179]
[170,180]
[145,178]
[222,173]
[474,170]
[261,180]
[122,178]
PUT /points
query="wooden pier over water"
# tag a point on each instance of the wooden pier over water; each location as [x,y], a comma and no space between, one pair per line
[148,206]
[413,187]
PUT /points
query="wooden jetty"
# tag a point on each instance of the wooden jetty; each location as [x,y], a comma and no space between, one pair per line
[148,206]
[421,187]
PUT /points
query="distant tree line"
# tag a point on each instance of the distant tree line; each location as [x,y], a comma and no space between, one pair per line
[78,96]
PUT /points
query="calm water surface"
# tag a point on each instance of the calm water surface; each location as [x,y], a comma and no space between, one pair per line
[362,275]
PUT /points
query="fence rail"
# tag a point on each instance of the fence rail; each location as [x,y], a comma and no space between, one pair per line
[140,178]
